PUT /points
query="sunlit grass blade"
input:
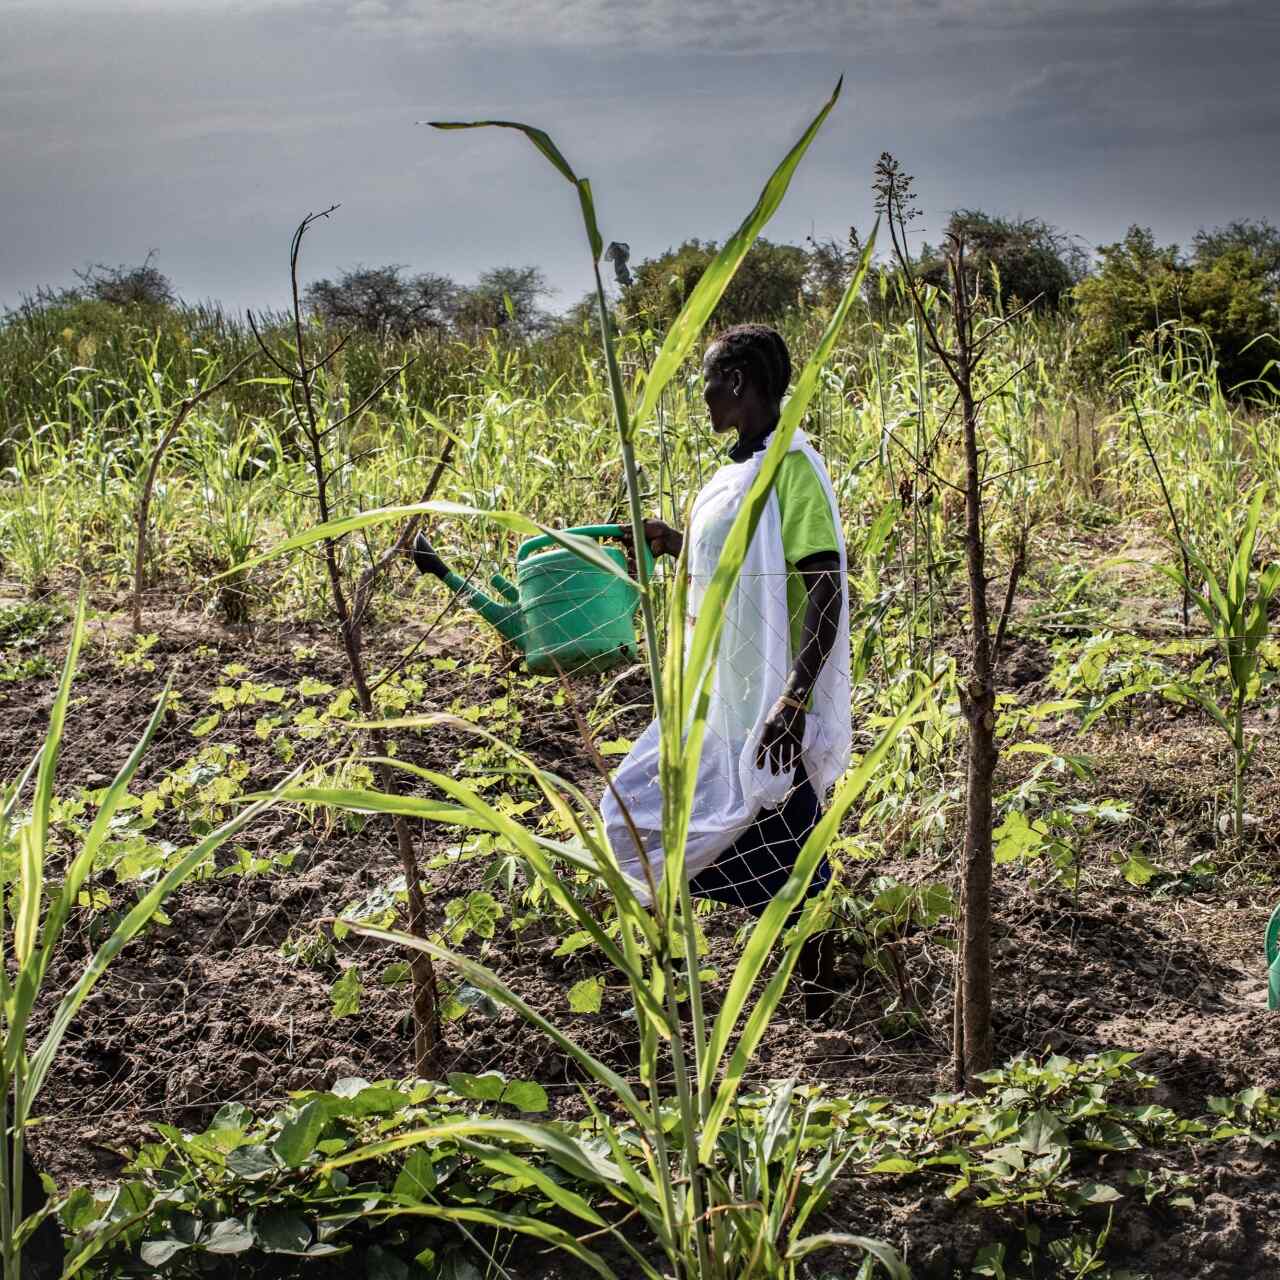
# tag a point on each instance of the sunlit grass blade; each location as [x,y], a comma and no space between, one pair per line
[571,1155]
[522,1224]
[887,1256]
[33,838]
[100,828]
[361,800]
[31,976]
[771,924]
[584,548]
[530,848]
[695,313]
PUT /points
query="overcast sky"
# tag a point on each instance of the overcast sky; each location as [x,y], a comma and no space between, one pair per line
[206,130]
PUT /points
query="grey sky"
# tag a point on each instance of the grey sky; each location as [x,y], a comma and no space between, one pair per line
[205,131]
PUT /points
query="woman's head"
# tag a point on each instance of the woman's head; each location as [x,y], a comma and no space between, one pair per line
[746,371]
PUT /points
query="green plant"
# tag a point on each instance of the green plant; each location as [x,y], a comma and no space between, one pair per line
[1237,610]
[1144,293]
[33,537]
[23,626]
[37,911]
[249,1194]
[669,1182]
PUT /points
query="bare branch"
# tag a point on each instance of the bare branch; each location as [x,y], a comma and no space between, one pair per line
[1006,611]
[1015,374]
[266,350]
[987,334]
[372,396]
[364,590]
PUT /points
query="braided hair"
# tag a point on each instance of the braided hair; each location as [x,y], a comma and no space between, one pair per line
[761,353]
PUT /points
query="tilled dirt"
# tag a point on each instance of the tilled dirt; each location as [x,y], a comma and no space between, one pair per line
[210,1009]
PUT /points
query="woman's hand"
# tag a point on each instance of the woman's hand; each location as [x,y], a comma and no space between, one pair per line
[782,738]
[663,540]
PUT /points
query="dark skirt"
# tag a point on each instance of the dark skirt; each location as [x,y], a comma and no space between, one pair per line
[751,871]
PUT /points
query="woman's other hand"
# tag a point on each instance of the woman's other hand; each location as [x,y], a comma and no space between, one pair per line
[663,540]
[782,738]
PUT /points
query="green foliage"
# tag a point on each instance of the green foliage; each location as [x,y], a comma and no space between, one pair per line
[1259,239]
[504,299]
[249,1195]
[1237,609]
[1019,260]
[364,1171]
[770,283]
[24,626]
[1143,293]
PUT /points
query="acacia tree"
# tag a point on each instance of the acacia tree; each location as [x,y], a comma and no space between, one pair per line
[144,285]
[1026,259]
[960,355]
[383,300]
[504,298]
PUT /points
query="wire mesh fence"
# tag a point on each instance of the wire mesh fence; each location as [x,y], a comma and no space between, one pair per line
[244,990]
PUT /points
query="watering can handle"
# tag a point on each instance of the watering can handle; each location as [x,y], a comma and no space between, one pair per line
[599,531]
[1273,936]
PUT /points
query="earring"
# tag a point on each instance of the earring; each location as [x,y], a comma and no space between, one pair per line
[737,391]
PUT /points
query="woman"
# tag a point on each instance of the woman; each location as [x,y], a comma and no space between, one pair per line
[779,728]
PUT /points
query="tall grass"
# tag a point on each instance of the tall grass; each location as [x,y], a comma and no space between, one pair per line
[540,439]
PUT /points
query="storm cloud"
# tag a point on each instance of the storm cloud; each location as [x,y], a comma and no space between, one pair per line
[205,131]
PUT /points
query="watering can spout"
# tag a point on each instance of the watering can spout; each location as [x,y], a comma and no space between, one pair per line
[503,614]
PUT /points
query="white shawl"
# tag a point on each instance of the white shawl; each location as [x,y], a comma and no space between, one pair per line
[754,663]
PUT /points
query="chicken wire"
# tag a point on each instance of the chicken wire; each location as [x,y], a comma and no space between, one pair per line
[233,999]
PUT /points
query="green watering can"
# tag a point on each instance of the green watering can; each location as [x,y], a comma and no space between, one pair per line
[562,613]
[1273,960]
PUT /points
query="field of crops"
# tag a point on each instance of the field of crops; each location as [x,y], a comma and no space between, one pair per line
[252,1086]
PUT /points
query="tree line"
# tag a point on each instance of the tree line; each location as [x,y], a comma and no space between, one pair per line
[1226,286]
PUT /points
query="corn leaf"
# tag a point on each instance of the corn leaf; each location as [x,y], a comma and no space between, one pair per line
[885,1254]
[489,982]
[33,837]
[584,548]
[695,313]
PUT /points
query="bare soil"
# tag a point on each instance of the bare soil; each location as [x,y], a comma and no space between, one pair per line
[209,1009]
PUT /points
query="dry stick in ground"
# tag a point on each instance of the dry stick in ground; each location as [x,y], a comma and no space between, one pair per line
[149,483]
[426,1015]
[1173,515]
[972,1016]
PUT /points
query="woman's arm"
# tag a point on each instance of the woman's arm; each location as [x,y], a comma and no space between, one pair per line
[663,540]
[784,729]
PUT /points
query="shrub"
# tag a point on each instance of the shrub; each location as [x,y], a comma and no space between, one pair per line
[1024,258]
[383,301]
[124,286]
[505,299]
[769,283]
[1141,289]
